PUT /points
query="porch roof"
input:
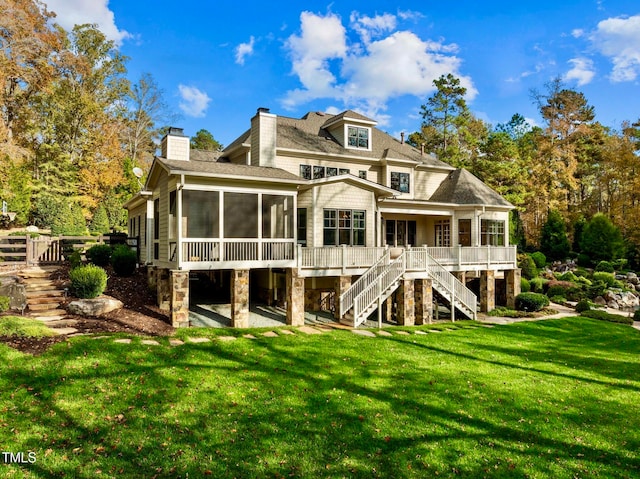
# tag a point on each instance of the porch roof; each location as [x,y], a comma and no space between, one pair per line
[380,190]
[463,188]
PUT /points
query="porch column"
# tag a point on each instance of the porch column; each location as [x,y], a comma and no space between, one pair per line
[487,291]
[295,298]
[387,309]
[163,293]
[424,301]
[462,276]
[240,298]
[151,278]
[406,303]
[179,298]
[512,277]
[341,284]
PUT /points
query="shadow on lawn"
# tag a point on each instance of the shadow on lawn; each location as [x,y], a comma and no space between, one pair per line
[277,409]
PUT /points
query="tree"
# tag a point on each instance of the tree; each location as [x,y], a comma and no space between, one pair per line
[203,140]
[554,242]
[100,221]
[601,240]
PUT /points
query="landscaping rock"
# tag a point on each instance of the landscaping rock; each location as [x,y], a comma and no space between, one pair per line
[94,307]
[15,291]
[628,300]
[633,278]
[600,301]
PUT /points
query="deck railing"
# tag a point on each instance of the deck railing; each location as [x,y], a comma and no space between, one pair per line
[198,250]
[339,257]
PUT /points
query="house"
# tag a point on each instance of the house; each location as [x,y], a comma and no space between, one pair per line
[322,212]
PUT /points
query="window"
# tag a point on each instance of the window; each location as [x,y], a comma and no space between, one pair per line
[400,181]
[362,174]
[173,224]
[400,232]
[200,214]
[443,233]
[302,226]
[464,232]
[344,171]
[358,137]
[156,228]
[344,227]
[492,232]
[332,171]
[318,172]
[305,171]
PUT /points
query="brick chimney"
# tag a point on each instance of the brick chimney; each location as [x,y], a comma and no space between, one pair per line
[175,145]
[263,138]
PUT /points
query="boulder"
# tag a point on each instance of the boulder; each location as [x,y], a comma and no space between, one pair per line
[600,301]
[94,307]
[613,305]
[32,229]
[628,300]
[633,278]
[15,291]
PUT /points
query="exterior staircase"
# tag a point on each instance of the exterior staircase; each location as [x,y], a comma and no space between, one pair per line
[379,282]
[43,297]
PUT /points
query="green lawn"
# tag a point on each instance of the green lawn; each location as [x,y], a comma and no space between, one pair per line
[556,399]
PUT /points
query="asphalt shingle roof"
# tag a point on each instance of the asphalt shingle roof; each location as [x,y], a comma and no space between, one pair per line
[216,168]
[462,187]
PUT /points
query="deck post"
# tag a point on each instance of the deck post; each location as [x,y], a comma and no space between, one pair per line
[179,298]
[163,290]
[406,303]
[487,291]
[240,298]
[424,301]
[342,283]
[512,277]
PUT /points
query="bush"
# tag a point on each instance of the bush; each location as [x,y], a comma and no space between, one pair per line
[99,254]
[537,285]
[539,259]
[566,289]
[88,281]
[531,301]
[554,242]
[558,299]
[601,239]
[584,260]
[604,316]
[604,277]
[605,266]
[528,267]
[100,221]
[4,303]
[124,260]
[636,315]
[583,306]
[75,259]
[525,287]
[568,276]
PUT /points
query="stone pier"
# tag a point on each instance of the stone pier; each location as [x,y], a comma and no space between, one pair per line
[295,298]
[512,278]
[179,298]
[240,298]
[163,289]
[424,301]
[487,291]
[406,303]
[342,283]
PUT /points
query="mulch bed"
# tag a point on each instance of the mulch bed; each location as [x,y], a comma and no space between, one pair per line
[139,315]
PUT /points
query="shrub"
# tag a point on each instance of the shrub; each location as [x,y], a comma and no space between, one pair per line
[596,289]
[601,239]
[75,259]
[100,221]
[99,254]
[583,306]
[124,260]
[528,267]
[636,315]
[604,277]
[88,281]
[568,276]
[554,242]
[4,303]
[584,260]
[537,285]
[605,266]
[604,316]
[539,259]
[566,289]
[531,301]
[525,287]
[558,299]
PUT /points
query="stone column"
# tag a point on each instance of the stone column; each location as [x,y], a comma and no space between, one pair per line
[424,301]
[179,298]
[295,298]
[487,291]
[512,278]
[387,309]
[342,283]
[462,276]
[406,303]
[151,278]
[163,293]
[240,298]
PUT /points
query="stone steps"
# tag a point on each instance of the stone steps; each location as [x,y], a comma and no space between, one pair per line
[42,295]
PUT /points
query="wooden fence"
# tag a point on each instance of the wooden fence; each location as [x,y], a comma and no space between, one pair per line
[53,249]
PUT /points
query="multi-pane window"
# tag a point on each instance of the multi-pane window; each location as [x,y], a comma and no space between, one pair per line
[344,227]
[156,228]
[302,226]
[344,171]
[309,172]
[362,174]
[492,232]
[358,137]
[400,181]
[464,232]
[318,172]
[305,171]
[443,233]
[331,171]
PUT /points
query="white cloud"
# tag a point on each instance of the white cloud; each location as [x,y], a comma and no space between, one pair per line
[583,71]
[78,12]
[577,33]
[243,50]
[366,76]
[194,102]
[619,39]
[370,27]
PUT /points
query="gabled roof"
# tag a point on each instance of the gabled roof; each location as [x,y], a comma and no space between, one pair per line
[309,134]
[361,183]
[350,114]
[462,188]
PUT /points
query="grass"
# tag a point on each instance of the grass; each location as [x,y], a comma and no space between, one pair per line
[21,326]
[547,399]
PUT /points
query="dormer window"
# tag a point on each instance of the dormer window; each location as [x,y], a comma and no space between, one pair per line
[358,137]
[400,181]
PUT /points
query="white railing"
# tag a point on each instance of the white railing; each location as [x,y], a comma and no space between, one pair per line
[241,249]
[450,286]
[389,274]
[474,255]
[339,257]
[346,298]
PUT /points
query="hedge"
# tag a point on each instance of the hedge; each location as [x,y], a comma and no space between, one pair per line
[531,301]
[604,316]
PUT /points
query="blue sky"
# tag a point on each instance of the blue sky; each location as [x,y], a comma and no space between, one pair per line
[218,61]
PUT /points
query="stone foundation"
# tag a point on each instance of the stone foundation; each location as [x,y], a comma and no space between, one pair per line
[342,284]
[295,298]
[240,298]
[406,303]
[424,301]
[512,278]
[179,298]
[163,289]
[487,291]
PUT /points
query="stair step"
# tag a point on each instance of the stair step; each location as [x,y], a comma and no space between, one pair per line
[43,306]
[44,293]
[43,300]
[49,313]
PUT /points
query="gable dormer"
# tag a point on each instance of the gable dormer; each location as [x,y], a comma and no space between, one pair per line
[352,130]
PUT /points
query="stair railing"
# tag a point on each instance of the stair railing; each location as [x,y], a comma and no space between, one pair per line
[347,298]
